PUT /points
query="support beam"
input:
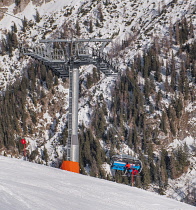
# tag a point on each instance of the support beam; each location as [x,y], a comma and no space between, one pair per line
[74,40]
[74,136]
[72,162]
[65,62]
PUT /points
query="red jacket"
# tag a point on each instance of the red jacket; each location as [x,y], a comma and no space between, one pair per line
[128,165]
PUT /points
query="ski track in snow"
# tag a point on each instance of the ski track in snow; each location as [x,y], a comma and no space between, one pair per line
[25,185]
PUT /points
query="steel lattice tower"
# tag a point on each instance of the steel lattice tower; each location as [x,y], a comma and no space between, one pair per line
[64,57]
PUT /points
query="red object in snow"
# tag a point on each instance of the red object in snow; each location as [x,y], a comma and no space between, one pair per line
[23,141]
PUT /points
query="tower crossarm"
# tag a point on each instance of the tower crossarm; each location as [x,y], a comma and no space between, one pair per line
[74,40]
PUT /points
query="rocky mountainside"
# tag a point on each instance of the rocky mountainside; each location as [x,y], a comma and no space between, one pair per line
[148,111]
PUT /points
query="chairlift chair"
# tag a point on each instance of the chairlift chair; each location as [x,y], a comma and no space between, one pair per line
[119,162]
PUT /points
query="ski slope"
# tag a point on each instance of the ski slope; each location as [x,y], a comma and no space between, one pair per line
[25,185]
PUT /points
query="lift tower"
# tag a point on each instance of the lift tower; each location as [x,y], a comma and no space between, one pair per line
[64,57]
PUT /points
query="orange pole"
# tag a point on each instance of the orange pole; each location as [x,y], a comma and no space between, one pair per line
[70,166]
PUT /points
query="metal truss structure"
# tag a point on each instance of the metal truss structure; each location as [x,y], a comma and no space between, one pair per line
[64,57]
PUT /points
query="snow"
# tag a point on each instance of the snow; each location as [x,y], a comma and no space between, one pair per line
[191,107]
[115,27]
[27,185]
[180,188]
[107,169]
[54,6]
[189,141]
[140,16]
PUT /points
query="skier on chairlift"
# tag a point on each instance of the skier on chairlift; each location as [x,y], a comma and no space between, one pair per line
[127,167]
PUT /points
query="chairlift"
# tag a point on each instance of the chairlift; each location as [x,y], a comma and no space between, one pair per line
[119,163]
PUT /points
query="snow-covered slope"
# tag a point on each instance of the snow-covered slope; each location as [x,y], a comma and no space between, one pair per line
[126,19]
[136,21]
[27,185]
